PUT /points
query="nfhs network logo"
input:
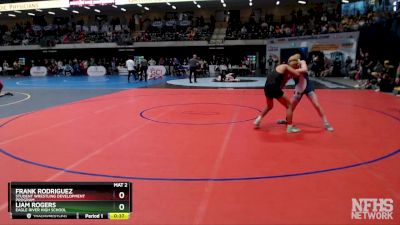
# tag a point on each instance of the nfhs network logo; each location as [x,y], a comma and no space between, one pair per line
[372,209]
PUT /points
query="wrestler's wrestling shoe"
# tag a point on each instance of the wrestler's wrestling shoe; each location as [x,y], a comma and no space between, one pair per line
[328,127]
[257,122]
[292,129]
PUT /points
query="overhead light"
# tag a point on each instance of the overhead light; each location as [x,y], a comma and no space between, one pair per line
[51,13]
[146,8]
[278,2]
[222,1]
[114,6]
[39,10]
[74,11]
[86,7]
[65,9]
[224,5]
[250,0]
[302,2]
[12,15]
[168,3]
[250,4]
[96,10]
[31,14]
[345,1]
[198,6]
[123,9]
[17,11]
[140,5]
[173,7]
[194,2]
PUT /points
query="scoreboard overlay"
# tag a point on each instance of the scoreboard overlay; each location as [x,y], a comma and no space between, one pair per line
[70,200]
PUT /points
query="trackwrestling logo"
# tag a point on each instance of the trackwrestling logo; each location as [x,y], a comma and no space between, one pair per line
[372,209]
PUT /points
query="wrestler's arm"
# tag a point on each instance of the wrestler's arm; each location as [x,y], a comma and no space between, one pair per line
[293,72]
[303,67]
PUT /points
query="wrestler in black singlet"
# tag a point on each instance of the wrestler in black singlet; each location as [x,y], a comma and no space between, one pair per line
[273,85]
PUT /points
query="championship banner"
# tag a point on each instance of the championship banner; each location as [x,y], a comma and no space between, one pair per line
[335,45]
[34,5]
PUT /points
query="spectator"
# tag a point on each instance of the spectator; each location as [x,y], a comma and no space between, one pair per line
[177,66]
[16,65]
[389,69]
[60,66]
[76,67]
[385,83]
[5,67]
[152,62]
[316,65]
[337,67]
[348,63]
[367,64]
[68,69]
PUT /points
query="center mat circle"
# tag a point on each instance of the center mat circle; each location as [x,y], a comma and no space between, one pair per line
[200,113]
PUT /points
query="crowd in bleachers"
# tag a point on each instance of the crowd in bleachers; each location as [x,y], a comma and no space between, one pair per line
[66,32]
[184,28]
[372,72]
[190,29]
[301,24]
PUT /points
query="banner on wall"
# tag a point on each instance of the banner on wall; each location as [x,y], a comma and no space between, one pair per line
[38,71]
[90,2]
[331,45]
[34,5]
[96,71]
[127,2]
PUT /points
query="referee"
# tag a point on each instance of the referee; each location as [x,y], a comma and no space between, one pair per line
[193,63]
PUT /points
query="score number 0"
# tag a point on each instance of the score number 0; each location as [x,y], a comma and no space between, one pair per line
[121,195]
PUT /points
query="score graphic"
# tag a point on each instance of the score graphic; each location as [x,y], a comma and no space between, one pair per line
[68,200]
